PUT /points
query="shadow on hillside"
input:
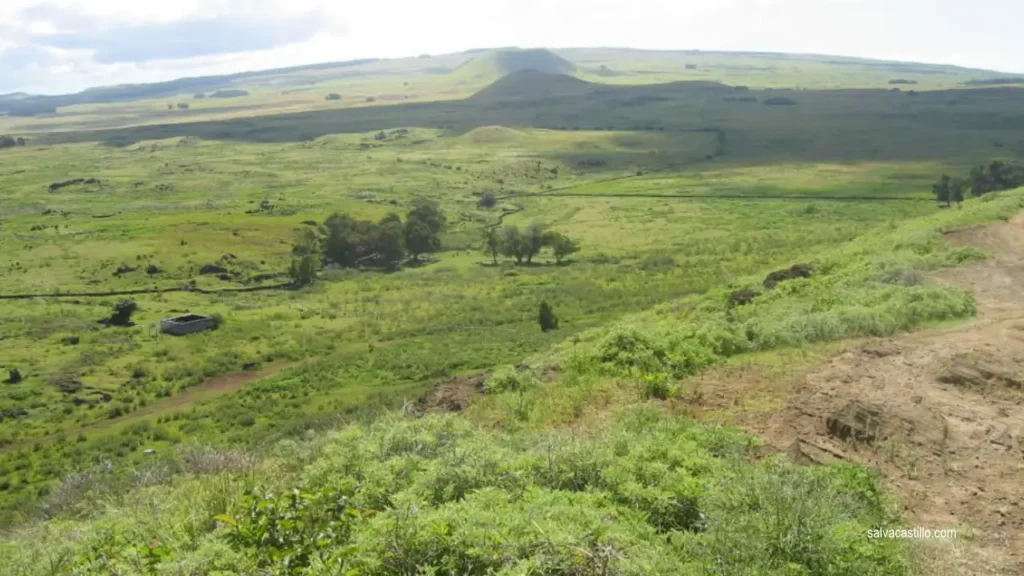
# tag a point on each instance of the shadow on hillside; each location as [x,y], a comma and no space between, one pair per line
[840,125]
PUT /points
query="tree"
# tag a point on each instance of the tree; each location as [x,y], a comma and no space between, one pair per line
[333,96]
[994,177]
[942,189]
[562,246]
[492,242]
[548,320]
[534,240]
[423,228]
[183,106]
[488,200]
[122,315]
[511,243]
[390,242]
[956,190]
[304,269]
[419,239]
[349,241]
[308,241]
[7,142]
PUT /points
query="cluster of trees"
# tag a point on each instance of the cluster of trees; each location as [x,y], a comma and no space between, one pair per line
[524,244]
[348,242]
[11,141]
[983,179]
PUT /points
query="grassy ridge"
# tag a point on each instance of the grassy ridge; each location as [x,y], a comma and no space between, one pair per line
[548,472]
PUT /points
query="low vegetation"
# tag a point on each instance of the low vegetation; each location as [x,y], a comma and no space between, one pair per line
[551,257]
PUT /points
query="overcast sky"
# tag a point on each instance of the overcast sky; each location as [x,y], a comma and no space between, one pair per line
[67,45]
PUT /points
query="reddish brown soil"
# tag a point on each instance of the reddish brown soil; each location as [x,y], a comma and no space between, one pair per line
[945,409]
[454,394]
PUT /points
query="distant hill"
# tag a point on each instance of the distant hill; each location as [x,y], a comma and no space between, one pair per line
[534,85]
[25,105]
[498,63]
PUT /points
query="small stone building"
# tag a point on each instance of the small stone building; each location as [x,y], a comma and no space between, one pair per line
[187,324]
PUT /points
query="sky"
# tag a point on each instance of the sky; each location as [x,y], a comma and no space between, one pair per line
[61,46]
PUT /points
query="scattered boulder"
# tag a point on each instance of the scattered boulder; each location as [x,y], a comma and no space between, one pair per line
[796,271]
[225,277]
[153,269]
[857,422]
[71,340]
[74,182]
[124,269]
[742,297]
[212,269]
[228,257]
[14,376]
[70,386]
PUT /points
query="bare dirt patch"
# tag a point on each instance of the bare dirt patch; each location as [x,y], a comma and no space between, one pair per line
[940,413]
[454,394]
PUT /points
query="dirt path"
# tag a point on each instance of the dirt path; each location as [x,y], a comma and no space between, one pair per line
[941,413]
[209,388]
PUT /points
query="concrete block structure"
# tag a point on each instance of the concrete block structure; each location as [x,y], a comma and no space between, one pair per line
[187,324]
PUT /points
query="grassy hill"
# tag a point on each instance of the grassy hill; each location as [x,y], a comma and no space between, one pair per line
[322,419]
[498,63]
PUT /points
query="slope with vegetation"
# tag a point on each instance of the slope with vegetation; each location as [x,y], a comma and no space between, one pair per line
[552,256]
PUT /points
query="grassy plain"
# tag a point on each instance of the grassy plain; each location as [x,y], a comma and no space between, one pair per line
[642,305]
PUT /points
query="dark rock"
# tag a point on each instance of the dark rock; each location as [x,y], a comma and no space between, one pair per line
[856,421]
[124,269]
[70,386]
[224,277]
[71,340]
[742,297]
[14,376]
[212,269]
[797,271]
[153,269]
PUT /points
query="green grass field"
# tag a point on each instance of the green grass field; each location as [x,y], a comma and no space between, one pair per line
[677,193]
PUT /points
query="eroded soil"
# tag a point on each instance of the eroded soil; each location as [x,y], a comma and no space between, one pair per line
[940,413]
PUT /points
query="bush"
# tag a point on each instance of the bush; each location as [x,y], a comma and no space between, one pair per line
[488,200]
[123,311]
[333,96]
[547,319]
[509,379]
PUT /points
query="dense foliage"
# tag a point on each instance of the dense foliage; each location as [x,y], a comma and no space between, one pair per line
[645,494]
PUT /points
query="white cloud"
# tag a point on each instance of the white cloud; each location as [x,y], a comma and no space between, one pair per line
[70,44]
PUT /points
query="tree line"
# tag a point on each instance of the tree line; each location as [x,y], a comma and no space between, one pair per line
[347,242]
[11,141]
[982,179]
[512,242]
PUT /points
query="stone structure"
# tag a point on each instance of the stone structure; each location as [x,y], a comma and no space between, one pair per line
[188,324]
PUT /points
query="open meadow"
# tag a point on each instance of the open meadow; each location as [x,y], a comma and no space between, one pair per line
[681,191]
